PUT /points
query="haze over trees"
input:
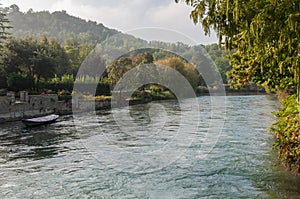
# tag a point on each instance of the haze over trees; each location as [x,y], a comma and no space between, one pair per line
[57,25]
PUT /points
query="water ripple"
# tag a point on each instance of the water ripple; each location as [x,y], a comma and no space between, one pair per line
[54,162]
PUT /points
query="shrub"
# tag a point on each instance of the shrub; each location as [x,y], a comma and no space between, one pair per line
[18,82]
[287,132]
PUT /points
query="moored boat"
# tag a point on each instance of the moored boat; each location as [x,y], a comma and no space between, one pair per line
[40,120]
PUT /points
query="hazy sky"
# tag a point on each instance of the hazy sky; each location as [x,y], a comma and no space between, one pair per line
[128,15]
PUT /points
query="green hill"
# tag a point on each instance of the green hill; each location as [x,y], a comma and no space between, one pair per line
[74,33]
[58,25]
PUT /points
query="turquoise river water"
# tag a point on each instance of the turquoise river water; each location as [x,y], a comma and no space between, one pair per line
[92,157]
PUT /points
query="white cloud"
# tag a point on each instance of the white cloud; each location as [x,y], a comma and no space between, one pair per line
[116,16]
[126,15]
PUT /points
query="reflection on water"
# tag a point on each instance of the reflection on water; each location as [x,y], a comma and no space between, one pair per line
[33,143]
[54,160]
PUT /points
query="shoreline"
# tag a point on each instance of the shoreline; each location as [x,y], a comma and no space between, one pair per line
[41,105]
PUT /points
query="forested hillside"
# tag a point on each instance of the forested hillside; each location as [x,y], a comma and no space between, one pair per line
[59,25]
[76,34]
[48,48]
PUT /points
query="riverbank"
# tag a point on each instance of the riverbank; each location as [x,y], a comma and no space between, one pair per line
[29,106]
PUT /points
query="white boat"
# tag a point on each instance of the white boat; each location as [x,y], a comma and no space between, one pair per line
[40,120]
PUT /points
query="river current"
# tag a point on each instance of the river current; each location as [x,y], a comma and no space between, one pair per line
[152,156]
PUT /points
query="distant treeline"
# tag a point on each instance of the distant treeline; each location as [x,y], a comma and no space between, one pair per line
[46,48]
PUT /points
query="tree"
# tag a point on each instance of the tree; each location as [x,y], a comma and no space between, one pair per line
[18,82]
[142,58]
[184,68]
[76,53]
[118,68]
[58,24]
[219,56]
[42,65]
[4,25]
[41,59]
[62,62]
[266,37]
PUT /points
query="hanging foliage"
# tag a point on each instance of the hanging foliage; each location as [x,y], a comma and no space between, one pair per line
[265,34]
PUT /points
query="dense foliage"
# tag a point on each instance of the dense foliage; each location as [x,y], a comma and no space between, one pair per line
[71,33]
[186,69]
[39,59]
[264,34]
[118,68]
[4,26]
[48,47]
[266,38]
[220,58]
[3,35]
[287,132]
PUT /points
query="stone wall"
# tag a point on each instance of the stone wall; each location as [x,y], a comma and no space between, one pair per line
[42,103]
[31,106]
[5,102]
[39,105]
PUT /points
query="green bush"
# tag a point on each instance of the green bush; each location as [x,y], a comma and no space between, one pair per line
[3,81]
[87,88]
[55,86]
[287,132]
[18,82]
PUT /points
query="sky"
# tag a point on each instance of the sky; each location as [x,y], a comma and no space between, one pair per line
[147,19]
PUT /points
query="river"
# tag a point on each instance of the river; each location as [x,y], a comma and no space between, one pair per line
[94,158]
